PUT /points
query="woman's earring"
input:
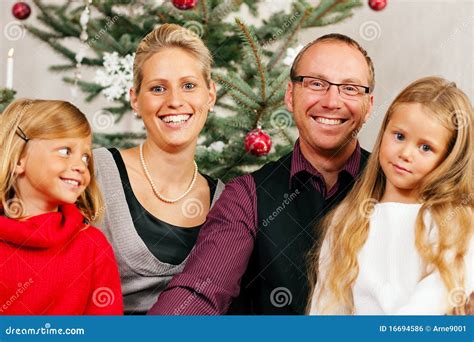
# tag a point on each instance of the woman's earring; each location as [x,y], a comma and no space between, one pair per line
[137,115]
[211,110]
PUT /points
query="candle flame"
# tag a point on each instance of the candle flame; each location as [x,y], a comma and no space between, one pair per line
[10,52]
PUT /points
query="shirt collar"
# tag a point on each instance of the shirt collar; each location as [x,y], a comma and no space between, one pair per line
[300,164]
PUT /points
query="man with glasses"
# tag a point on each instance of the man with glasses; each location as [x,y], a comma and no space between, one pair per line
[251,252]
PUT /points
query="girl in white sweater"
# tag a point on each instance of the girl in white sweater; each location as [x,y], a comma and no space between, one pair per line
[402,240]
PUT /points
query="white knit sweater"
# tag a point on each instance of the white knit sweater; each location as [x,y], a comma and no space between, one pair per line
[390,279]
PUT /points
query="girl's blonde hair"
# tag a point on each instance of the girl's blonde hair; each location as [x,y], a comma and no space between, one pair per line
[42,119]
[171,36]
[447,193]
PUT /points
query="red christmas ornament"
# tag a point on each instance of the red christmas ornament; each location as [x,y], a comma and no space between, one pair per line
[21,10]
[258,142]
[185,4]
[377,5]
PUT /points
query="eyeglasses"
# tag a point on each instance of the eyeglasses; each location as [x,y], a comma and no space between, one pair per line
[320,86]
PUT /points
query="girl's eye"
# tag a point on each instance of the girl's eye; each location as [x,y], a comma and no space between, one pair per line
[65,151]
[399,136]
[86,158]
[158,89]
[425,148]
[189,86]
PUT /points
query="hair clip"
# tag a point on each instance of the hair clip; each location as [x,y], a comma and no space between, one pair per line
[22,135]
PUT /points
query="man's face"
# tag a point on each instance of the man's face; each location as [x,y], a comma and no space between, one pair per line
[328,123]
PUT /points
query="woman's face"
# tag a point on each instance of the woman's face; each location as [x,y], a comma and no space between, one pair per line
[174,99]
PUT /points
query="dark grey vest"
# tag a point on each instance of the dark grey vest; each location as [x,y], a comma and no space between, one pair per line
[275,282]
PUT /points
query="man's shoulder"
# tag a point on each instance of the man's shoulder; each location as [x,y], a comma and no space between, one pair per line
[274,167]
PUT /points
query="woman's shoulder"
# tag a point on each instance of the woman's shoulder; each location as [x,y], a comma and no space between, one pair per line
[93,237]
[216,186]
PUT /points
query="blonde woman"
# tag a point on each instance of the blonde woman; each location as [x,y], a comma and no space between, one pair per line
[156,199]
[53,261]
[412,253]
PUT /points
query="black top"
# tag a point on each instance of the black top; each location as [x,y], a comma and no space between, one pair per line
[168,243]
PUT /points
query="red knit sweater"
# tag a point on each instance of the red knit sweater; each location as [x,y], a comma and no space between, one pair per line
[54,264]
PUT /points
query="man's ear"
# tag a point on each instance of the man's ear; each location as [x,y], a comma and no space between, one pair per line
[370,106]
[289,97]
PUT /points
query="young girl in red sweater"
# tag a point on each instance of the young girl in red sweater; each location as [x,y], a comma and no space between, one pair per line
[52,262]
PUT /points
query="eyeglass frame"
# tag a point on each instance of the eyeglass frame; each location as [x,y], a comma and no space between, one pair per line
[300,79]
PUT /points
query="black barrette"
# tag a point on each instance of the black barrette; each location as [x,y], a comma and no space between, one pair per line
[22,134]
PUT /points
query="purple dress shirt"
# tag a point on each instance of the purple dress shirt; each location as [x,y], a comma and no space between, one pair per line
[211,278]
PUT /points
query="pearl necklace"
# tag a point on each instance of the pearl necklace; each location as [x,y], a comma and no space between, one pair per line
[153,186]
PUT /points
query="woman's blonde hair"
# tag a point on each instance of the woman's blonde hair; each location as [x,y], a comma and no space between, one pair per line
[446,193]
[42,119]
[171,36]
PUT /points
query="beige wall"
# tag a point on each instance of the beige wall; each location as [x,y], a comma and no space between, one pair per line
[407,40]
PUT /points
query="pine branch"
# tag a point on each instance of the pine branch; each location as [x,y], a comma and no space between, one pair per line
[233,81]
[277,57]
[85,86]
[277,97]
[227,106]
[255,48]
[223,9]
[324,8]
[59,68]
[242,100]
[52,22]
[95,30]
[286,136]
[43,35]
[204,6]
[277,84]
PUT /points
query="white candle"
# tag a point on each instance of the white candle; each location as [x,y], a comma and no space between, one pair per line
[9,83]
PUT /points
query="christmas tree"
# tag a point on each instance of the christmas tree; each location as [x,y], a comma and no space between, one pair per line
[251,66]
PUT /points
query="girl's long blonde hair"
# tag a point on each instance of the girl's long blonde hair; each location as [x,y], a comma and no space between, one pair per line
[447,193]
[41,119]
